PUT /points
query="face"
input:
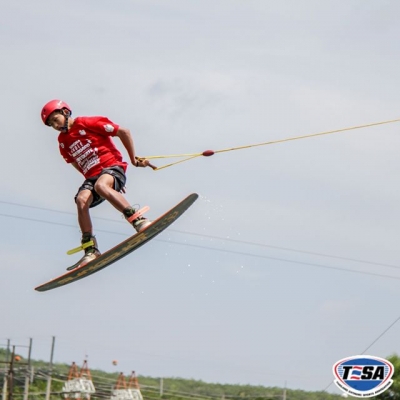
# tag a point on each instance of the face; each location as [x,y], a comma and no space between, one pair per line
[56,120]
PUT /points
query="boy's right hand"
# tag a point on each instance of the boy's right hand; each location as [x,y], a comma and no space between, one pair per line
[143,162]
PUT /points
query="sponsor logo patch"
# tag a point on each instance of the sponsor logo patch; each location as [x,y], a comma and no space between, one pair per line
[108,128]
[363,376]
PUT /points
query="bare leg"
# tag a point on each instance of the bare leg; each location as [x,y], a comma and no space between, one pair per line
[83,201]
[105,188]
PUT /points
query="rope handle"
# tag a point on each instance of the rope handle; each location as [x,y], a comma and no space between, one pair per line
[149,164]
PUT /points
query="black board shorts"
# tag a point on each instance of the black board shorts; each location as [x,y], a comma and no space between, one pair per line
[119,182]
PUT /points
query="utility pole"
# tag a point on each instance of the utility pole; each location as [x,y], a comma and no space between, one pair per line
[161,387]
[6,371]
[10,376]
[48,389]
[284,392]
[28,372]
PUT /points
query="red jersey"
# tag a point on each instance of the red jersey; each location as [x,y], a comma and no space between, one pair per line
[88,143]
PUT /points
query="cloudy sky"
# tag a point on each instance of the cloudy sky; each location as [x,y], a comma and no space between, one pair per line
[289,260]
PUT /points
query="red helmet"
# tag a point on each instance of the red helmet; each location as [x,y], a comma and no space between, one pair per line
[51,106]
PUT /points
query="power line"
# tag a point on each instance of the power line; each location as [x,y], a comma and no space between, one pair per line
[227,239]
[220,250]
[286,260]
[289,249]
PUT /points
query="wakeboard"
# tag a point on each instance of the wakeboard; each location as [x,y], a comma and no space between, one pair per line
[121,250]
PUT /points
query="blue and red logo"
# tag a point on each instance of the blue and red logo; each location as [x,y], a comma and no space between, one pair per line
[363,376]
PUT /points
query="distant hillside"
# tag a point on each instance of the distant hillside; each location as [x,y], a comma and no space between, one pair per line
[172,388]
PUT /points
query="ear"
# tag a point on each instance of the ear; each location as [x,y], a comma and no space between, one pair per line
[66,112]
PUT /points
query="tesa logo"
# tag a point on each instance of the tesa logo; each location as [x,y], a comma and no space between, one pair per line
[363,376]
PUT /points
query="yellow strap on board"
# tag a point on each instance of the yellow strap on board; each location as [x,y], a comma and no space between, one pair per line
[81,247]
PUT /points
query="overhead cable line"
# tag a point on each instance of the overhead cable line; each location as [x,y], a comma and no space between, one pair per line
[222,250]
[227,239]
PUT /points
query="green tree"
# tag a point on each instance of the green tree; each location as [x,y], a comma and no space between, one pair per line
[393,393]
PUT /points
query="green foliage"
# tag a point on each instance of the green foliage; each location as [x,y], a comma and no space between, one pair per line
[173,388]
[393,393]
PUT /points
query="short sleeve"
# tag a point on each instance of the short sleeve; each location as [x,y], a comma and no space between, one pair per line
[101,125]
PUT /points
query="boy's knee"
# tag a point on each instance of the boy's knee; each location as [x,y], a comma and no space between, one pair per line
[82,201]
[102,187]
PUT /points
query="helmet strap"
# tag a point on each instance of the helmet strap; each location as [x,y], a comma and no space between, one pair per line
[66,114]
